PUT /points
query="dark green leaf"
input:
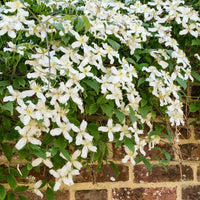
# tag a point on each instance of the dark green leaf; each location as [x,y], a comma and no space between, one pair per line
[119,115]
[93,130]
[132,114]
[129,143]
[80,24]
[114,44]
[107,108]
[196,42]
[93,84]
[86,22]
[181,82]
[114,168]
[60,142]
[49,194]
[39,153]
[194,107]
[66,154]
[59,26]
[12,181]
[20,189]
[147,163]
[21,197]
[144,111]
[93,108]
[11,196]
[196,76]
[2,192]
[3,83]
[7,150]
[8,106]
[141,80]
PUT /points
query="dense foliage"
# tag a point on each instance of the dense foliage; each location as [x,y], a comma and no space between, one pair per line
[79,75]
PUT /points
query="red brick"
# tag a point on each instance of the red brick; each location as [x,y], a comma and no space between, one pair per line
[185,132]
[159,174]
[197,131]
[153,153]
[198,173]
[91,195]
[60,195]
[144,194]
[191,192]
[118,152]
[105,175]
[190,151]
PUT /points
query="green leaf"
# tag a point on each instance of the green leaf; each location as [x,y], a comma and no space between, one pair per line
[114,168]
[132,114]
[59,26]
[114,44]
[144,111]
[129,143]
[80,24]
[86,22]
[195,42]
[196,76]
[93,108]
[131,60]
[147,163]
[48,139]
[119,115]
[3,83]
[49,194]
[118,143]
[8,106]
[2,192]
[102,100]
[181,82]
[29,167]
[11,196]
[20,189]
[141,80]
[93,130]
[66,154]
[7,150]
[21,197]
[39,153]
[107,109]
[12,181]
[60,142]
[93,84]
[194,107]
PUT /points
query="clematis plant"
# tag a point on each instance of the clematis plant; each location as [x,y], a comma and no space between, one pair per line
[84,74]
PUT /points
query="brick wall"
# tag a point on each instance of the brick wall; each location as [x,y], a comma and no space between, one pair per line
[178,182]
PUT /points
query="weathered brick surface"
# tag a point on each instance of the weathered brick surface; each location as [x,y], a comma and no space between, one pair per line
[197,131]
[105,175]
[198,173]
[60,195]
[190,151]
[153,153]
[144,194]
[118,152]
[185,132]
[191,192]
[91,195]
[159,174]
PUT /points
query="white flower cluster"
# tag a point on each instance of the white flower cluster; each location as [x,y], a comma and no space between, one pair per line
[58,75]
